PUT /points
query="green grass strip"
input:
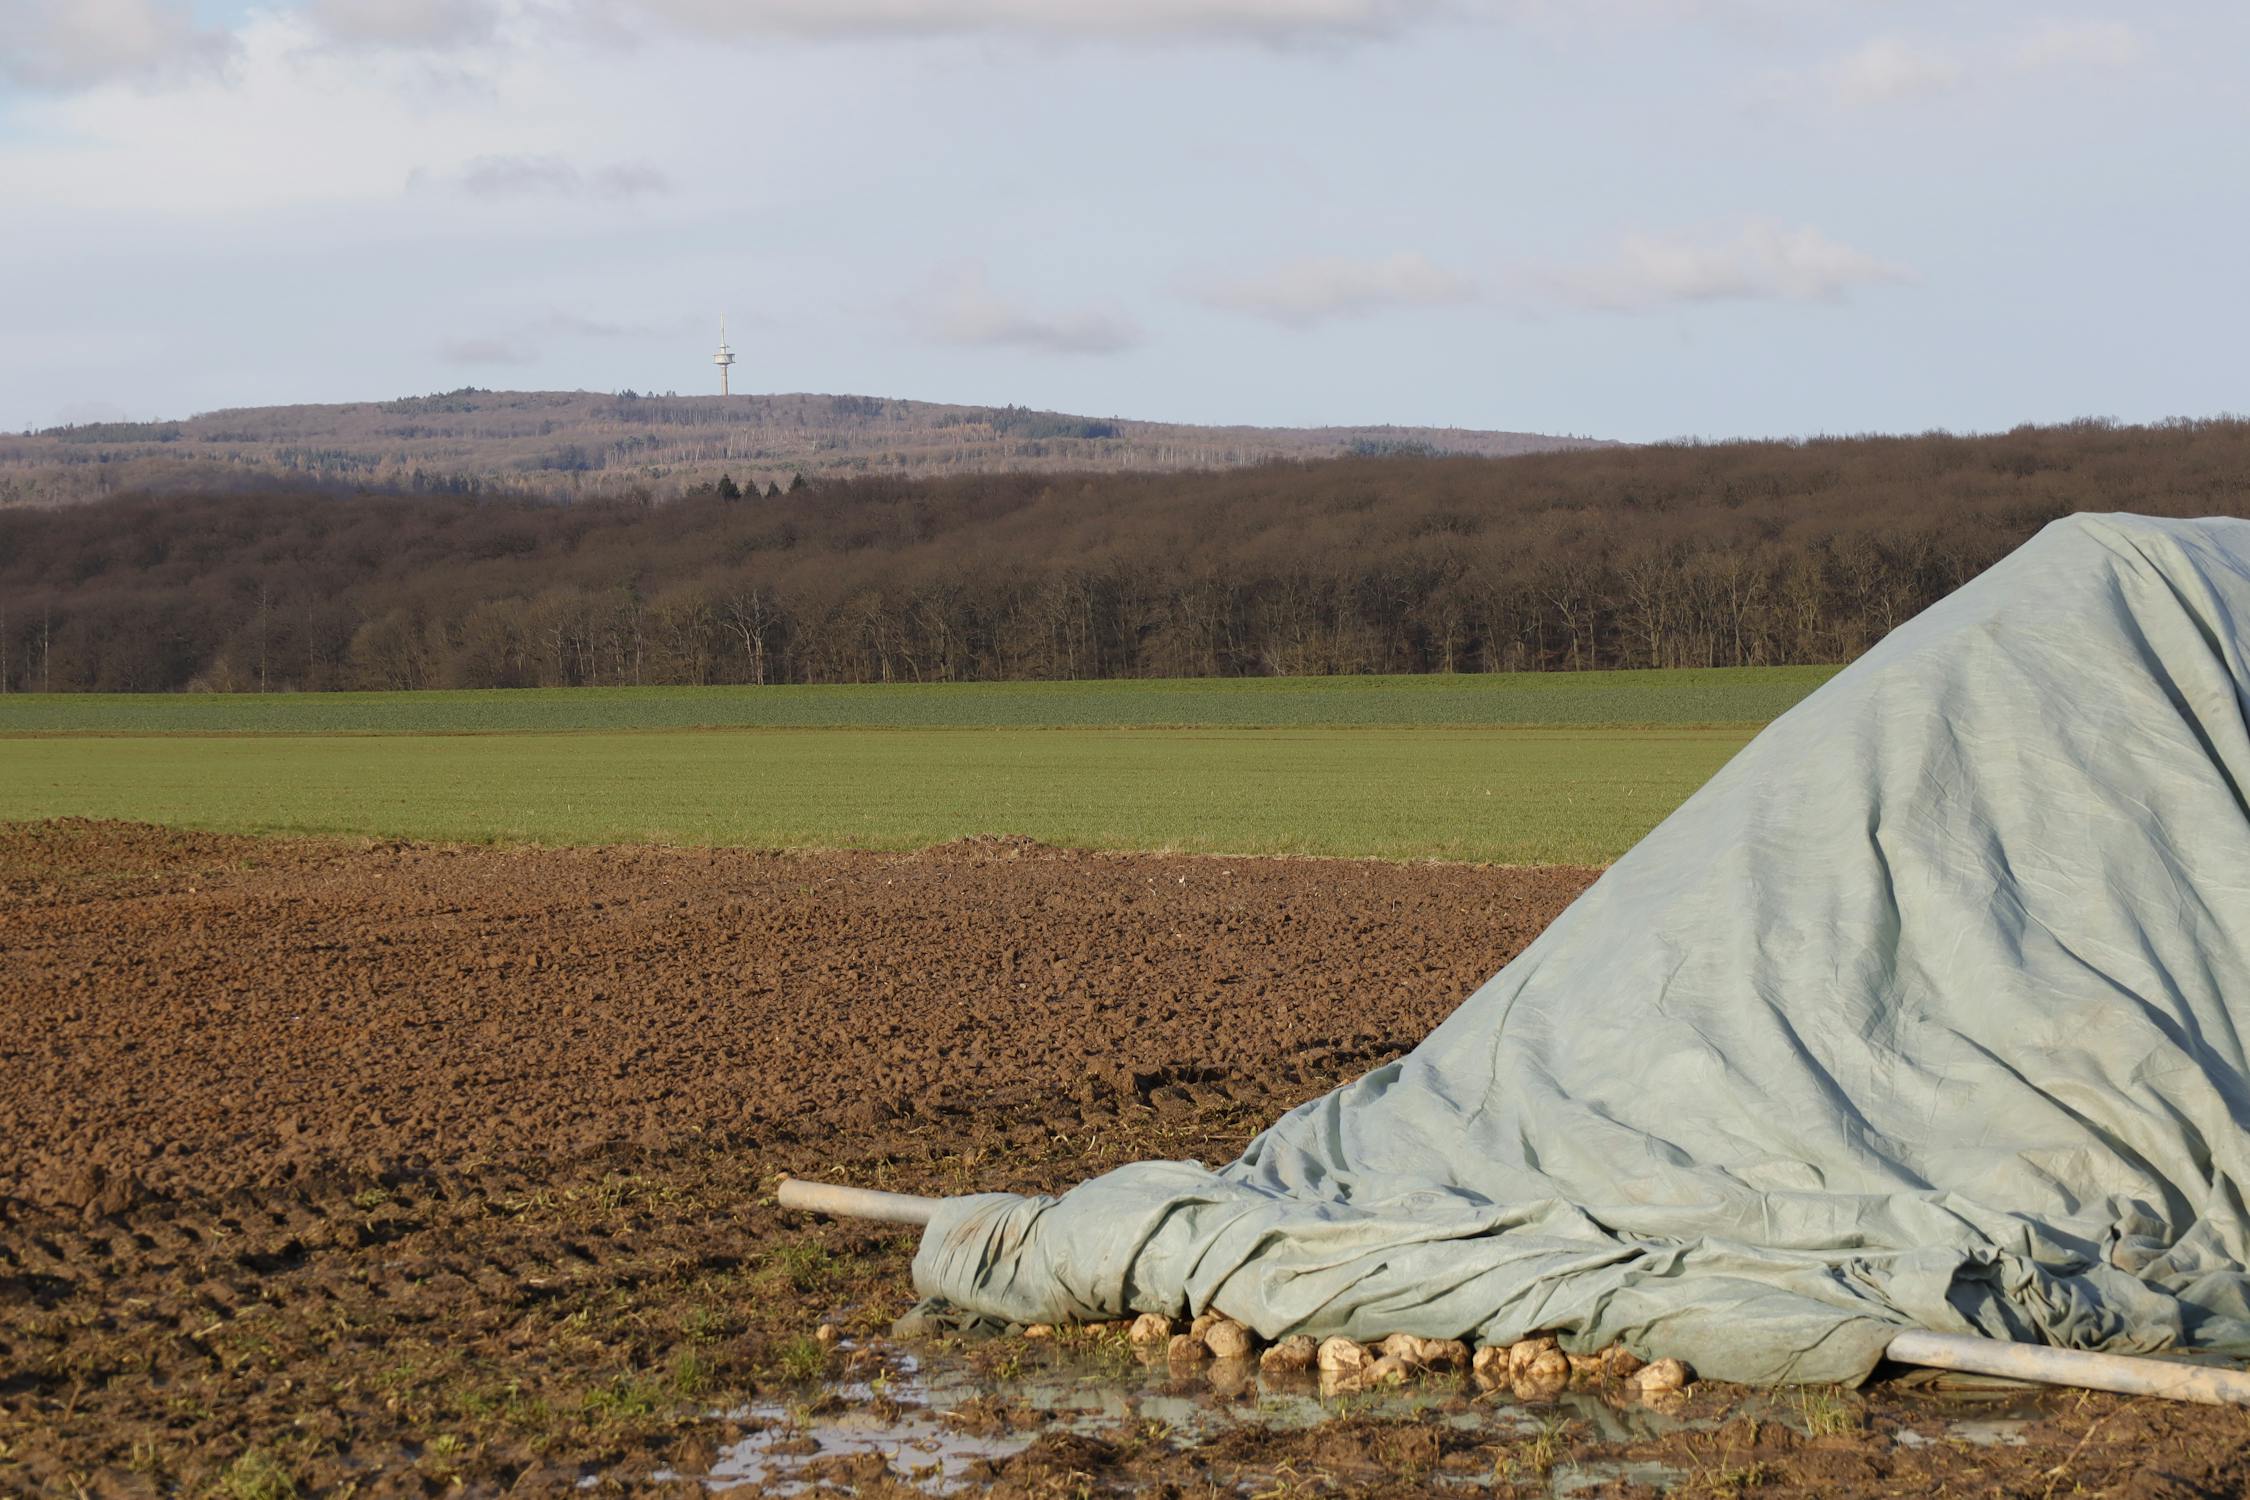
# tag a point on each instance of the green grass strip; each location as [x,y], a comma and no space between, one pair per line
[1687,696]
[1517,796]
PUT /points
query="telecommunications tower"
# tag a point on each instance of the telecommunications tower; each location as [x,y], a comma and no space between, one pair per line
[724,357]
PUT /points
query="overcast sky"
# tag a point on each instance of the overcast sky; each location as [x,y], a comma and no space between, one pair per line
[1627,218]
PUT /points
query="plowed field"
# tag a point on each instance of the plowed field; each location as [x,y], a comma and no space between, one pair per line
[350,1168]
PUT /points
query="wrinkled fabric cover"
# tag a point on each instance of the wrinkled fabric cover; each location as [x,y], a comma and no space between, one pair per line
[1927,1010]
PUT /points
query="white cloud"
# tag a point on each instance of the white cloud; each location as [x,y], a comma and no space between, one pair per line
[509,177]
[405,23]
[2065,44]
[1303,293]
[1761,261]
[73,44]
[968,313]
[1248,20]
[1888,69]
[294,123]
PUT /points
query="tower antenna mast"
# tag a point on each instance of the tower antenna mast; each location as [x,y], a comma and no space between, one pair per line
[724,358]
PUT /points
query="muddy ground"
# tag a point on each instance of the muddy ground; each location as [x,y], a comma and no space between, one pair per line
[334,1168]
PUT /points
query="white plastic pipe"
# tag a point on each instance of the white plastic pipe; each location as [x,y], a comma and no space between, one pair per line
[2127,1374]
[854,1203]
[2131,1375]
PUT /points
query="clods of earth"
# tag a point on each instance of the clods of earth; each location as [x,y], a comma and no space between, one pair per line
[339,1168]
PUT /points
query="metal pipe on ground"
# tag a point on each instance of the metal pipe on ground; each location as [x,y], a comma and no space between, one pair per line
[2128,1375]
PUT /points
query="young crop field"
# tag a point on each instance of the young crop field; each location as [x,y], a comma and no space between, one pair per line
[1686,696]
[1518,770]
[1512,796]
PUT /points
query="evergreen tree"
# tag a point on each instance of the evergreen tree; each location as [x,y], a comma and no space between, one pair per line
[796,484]
[728,489]
[773,490]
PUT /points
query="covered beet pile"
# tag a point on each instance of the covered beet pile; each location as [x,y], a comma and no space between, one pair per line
[1928,1011]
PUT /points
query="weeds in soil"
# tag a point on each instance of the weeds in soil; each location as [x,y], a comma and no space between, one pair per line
[621,1191]
[1724,1483]
[1108,1355]
[803,1268]
[691,1374]
[146,1459]
[801,1359]
[703,1325]
[1288,1484]
[257,1475]
[507,1404]
[1537,1455]
[624,1399]
[441,1456]
[1825,1413]
[1544,1449]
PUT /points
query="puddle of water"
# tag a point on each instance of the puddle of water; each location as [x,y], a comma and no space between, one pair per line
[2001,1432]
[907,1418]
[918,1444]
[908,1421]
[1580,1478]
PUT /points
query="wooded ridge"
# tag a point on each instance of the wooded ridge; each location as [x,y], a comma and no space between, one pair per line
[1723,554]
[577,445]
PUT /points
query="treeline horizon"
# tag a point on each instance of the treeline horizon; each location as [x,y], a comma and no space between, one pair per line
[1725,554]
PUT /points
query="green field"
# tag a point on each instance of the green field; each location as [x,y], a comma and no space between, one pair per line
[1613,755]
[1686,696]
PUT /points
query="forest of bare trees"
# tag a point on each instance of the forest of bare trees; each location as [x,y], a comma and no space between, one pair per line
[1662,556]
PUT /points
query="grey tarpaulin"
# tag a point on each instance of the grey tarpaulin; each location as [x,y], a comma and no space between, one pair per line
[1927,1010]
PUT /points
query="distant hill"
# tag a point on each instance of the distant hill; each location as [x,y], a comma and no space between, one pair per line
[572,444]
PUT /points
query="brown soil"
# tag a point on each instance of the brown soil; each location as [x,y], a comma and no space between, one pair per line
[402,1169]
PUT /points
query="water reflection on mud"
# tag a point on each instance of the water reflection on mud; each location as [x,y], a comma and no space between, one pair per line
[946,1425]
[943,1427]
